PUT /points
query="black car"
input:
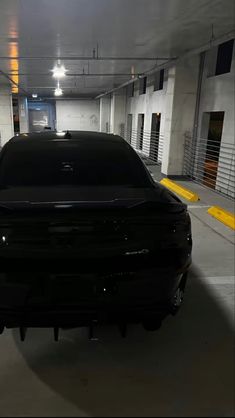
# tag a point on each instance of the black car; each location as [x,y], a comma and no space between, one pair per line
[86,235]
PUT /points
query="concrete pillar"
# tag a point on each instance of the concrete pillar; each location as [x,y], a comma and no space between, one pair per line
[23,114]
[118,113]
[105,109]
[6,115]
[180,110]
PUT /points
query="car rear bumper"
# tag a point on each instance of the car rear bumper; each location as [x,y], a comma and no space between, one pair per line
[75,299]
[47,300]
[76,317]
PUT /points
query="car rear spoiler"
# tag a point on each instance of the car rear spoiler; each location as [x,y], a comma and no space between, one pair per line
[115,204]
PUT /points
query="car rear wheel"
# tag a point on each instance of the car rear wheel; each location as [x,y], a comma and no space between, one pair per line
[178,297]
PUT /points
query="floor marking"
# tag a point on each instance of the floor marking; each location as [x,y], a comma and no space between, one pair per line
[219,279]
[213,230]
[198,206]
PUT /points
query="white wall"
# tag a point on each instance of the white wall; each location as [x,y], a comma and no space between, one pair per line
[118,112]
[218,95]
[180,111]
[148,103]
[23,114]
[6,114]
[105,109]
[78,115]
[176,103]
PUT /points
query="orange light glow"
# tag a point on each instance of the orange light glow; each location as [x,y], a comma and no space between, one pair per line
[14,65]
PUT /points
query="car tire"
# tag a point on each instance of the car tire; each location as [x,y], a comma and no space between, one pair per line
[178,297]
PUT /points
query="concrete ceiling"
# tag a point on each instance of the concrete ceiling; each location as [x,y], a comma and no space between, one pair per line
[35,33]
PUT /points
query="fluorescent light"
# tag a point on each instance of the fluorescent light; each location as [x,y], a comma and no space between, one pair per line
[58,91]
[59,71]
[34,95]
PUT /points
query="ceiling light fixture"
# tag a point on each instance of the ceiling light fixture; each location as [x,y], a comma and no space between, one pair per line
[58,91]
[59,71]
[34,95]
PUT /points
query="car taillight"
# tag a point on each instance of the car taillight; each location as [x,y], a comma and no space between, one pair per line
[5,231]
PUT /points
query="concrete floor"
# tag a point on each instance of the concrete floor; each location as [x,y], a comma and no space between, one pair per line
[184,369]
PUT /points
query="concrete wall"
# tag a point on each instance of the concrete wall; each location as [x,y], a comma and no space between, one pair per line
[180,111]
[148,103]
[176,103]
[218,94]
[118,112]
[78,115]
[6,114]
[105,110]
[23,115]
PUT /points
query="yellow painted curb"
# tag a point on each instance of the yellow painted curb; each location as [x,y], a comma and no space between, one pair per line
[182,191]
[228,218]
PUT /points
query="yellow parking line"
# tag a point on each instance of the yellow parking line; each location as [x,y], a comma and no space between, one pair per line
[182,191]
[227,218]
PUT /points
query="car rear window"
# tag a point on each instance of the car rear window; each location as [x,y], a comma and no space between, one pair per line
[52,163]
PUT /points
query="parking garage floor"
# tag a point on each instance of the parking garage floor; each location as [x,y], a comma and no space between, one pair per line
[184,369]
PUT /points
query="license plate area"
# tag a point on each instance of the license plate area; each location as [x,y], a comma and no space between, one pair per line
[77,288]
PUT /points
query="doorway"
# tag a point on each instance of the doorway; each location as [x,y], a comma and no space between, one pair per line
[41,116]
[38,119]
[15,108]
[212,149]
[154,138]
[129,128]
[140,131]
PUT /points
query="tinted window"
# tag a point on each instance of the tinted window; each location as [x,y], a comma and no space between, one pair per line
[159,80]
[143,85]
[224,57]
[75,163]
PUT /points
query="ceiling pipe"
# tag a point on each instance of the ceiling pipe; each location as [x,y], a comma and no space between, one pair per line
[78,75]
[64,87]
[133,80]
[211,43]
[90,58]
[56,98]
[13,82]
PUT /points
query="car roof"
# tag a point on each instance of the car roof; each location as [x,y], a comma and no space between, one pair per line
[67,136]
